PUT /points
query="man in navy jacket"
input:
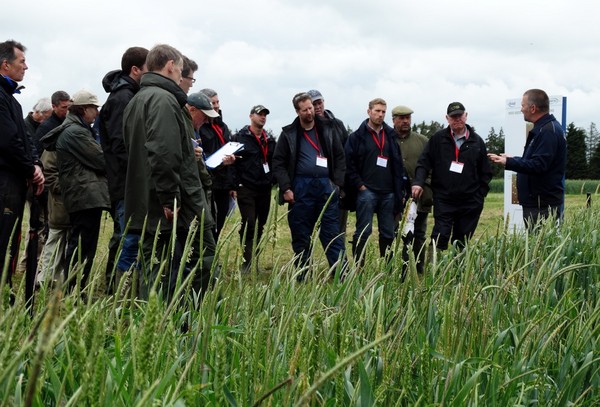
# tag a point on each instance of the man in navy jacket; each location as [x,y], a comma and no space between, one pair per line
[541,169]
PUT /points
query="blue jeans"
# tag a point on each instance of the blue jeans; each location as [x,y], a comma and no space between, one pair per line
[369,203]
[129,251]
[310,196]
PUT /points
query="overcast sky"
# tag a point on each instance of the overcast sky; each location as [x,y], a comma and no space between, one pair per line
[424,54]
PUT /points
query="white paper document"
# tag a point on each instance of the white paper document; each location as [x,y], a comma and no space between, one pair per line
[216,159]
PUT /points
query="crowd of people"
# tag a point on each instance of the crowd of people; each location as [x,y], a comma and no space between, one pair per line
[142,156]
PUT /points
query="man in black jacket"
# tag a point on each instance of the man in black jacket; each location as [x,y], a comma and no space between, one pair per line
[309,165]
[375,170]
[60,106]
[254,180]
[122,85]
[19,163]
[215,134]
[460,171]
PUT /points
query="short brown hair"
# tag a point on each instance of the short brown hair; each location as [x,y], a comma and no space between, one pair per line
[539,98]
[160,54]
[300,97]
[376,101]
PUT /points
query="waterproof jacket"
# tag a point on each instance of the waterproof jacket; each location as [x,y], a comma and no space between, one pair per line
[162,167]
[17,152]
[472,185]
[58,217]
[411,147]
[339,129]
[81,167]
[286,154]
[541,170]
[222,176]
[121,88]
[248,169]
[355,153]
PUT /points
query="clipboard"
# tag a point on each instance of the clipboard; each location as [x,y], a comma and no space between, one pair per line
[216,158]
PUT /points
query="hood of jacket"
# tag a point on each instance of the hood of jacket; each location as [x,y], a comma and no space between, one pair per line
[115,80]
[168,84]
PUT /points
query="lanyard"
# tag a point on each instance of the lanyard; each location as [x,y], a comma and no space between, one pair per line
[456,149]
[378,143]
[264,144]
[312,143]
[219,132]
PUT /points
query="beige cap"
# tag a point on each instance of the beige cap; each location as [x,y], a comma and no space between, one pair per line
[85,97]
[401,111]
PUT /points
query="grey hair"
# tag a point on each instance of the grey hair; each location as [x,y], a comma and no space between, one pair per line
[209,92]
[42,105]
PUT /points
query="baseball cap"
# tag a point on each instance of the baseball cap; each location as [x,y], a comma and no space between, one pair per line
[200,101]
[85,97]
[259,108]
[401,111]
[455,108]
[314,95]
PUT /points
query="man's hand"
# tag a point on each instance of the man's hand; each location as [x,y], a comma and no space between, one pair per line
[288,196]
[38,180]
[362,188]
[228,159]
[169,213]
[498,159]
[417,191]
[198,153]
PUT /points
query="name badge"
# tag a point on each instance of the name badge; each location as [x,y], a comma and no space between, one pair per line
[266,168]
[456,167]
[382,161]
[321,161]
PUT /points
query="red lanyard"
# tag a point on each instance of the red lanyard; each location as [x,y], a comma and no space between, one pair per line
[378,143]
[264,147]
[219,132]
[312,143]
[456,149]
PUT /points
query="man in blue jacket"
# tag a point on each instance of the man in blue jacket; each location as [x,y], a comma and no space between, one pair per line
[541,170]
[19,163]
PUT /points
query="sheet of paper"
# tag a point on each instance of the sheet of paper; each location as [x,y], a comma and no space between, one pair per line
[216,159]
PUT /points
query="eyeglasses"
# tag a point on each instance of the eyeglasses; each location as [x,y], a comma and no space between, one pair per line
[191,79]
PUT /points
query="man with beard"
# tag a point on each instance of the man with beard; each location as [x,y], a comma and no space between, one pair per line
[309,166]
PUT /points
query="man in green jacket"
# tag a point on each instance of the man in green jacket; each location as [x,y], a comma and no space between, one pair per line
[163,191]
[412,144]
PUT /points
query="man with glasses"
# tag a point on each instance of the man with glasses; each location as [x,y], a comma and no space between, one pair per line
[163,192]
[456,159]
[309,166]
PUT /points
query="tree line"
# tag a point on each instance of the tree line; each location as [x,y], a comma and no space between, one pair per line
[583,148]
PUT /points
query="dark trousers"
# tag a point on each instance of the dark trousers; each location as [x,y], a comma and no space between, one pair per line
[220,209]
[454,220]
[254,207]
[201,255]
[13,191]
[531,216]
[310,196]
[85,227]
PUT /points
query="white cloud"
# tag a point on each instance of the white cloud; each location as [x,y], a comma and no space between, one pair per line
[423,54]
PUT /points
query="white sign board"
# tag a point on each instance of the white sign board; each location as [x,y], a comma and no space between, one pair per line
[515,135]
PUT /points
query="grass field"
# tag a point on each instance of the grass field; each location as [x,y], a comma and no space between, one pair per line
[513,319]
